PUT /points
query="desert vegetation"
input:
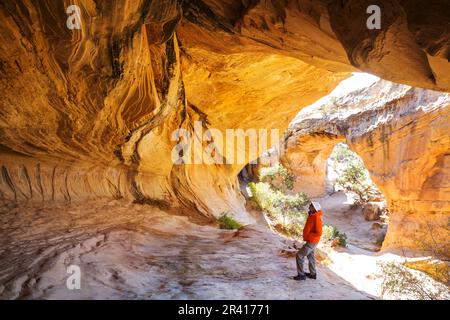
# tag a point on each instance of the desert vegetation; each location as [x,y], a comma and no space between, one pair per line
[286,211]
[228,222]
[352,175]
[400,280]
[406,277]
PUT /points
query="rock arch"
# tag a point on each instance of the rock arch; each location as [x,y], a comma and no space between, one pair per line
[401,133]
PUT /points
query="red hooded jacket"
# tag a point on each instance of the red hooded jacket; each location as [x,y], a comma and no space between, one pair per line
[313,227]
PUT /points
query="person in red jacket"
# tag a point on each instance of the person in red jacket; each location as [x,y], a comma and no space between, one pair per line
[311,235]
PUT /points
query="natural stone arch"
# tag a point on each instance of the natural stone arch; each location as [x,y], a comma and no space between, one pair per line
[401,134]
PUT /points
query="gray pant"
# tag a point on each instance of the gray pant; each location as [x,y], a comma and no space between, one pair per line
[308,250]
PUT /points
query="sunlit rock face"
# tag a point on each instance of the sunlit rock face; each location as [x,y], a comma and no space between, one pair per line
[90,113]
[305,155]
[411,47]
[401,133]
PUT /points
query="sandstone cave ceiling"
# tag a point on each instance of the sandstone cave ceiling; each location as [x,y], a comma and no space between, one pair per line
[90,112]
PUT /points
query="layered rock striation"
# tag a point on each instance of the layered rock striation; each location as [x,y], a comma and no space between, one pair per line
[90,112]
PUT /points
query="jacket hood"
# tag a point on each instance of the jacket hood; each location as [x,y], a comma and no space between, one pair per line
[319,213]
[316,205]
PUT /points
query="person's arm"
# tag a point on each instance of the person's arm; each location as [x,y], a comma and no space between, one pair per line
[306,229]
[317,230]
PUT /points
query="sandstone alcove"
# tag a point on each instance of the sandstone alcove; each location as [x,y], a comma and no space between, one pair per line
[87,118]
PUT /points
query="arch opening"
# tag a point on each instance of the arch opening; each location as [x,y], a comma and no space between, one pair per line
[354,199]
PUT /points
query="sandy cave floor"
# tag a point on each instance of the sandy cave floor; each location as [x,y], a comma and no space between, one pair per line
[137,251]
[360,233]
[131,251]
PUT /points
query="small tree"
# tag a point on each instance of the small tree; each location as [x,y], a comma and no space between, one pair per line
[355,178]
[399,278]
[331,233]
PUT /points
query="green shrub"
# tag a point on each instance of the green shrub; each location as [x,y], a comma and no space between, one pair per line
[327,232]
[292,230]
[275,202]
[287,212]
[332,233]
[355,178]
[228,222]
[342,238]
[278,177]
[260,193]
[353,174]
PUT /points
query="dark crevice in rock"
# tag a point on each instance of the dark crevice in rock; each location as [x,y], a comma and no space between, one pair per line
[7,179]
[199,13]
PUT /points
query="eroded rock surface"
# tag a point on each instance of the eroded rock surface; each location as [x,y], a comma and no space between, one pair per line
[401,133]
[90,112]
[131,251]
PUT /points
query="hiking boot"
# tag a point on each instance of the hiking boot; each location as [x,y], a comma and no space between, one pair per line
[299,277]
[310,275]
